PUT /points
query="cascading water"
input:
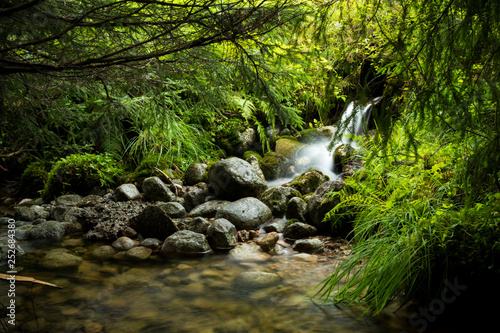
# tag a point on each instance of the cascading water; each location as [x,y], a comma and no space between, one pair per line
[318,156]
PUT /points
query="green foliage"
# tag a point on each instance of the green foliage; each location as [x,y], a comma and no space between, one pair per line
[80,173]
[33,178]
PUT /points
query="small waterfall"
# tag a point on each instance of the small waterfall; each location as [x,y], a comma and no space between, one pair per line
[318,155]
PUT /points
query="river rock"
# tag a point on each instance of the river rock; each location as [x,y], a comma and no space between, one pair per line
[67,213]
[195,173]
[24,213]
[257,279]
[299,230]
[129,232]
[186,242]
[52,230]
[127,192]
[288,147]
[308,181]
[297,209]
[4,249]
[173,209]
[312,245]
[91,200]
[268,242]
[60,258]
[153,221]
[234,178]
[69,200]
[276,198]
[152,243]
[195,196]
[341,156]
[139,253]
[277,225]
[221,234]
[155,190]
[321,203]
[209,208]
[123,244]
[247,138]
[248,252]
[199,225]
[254,162]
[103,252]
[247,213]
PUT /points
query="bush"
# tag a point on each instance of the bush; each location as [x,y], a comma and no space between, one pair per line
[80,174]
[33,178]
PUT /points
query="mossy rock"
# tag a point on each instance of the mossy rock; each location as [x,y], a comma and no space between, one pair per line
[227,135]
[274,165]
[33,178]
[252,153]
[313,135]
[308,181]
[147,167]
[80,173]
[196,173]
[288,147]
[341,156]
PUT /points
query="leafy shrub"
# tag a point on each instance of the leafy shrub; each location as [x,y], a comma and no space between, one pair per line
[33,178]
[80,174]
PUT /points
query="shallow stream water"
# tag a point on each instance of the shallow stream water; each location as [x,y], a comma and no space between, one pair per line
[205,294]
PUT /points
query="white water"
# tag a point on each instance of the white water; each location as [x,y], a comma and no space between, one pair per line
[317,155]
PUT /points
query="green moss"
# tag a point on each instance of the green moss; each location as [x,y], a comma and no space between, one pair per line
[33,178]
[80,174]
[310,135]
[291,221]
[251,153]
[274,165]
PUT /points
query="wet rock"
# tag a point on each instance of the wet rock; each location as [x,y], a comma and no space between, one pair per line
[195,196]
[24,213]
[72,227]
[247,213]
[69,200]
[257,279]
[126,192]
[155,190]
[320,203]
[139,253]
[60,258]
[341,157]
[276,198]
[209,208]
[297,209]
[4,249]
[221,235]
[268,242]
[185,242]
[199,225]
[288,147]
[234,178]
[299,230]
[123,244]
[312,245]
[91,200]
[308,181]
[129,232]
[152,243]
[195,173]
[52,230]
[153,221]
[248,251]
[67,213]
[103,252]
[73,242]
[277,225]
[254,162]
[274,165]
[173,209]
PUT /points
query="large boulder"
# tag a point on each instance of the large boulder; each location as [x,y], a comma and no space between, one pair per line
[209,208]
[234,178]
[246,214]
[312,245]
[185,242]
[155,190]
[288,147]
[173,209]
[153,221]
[222,235]
[276,198]
[321,203]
